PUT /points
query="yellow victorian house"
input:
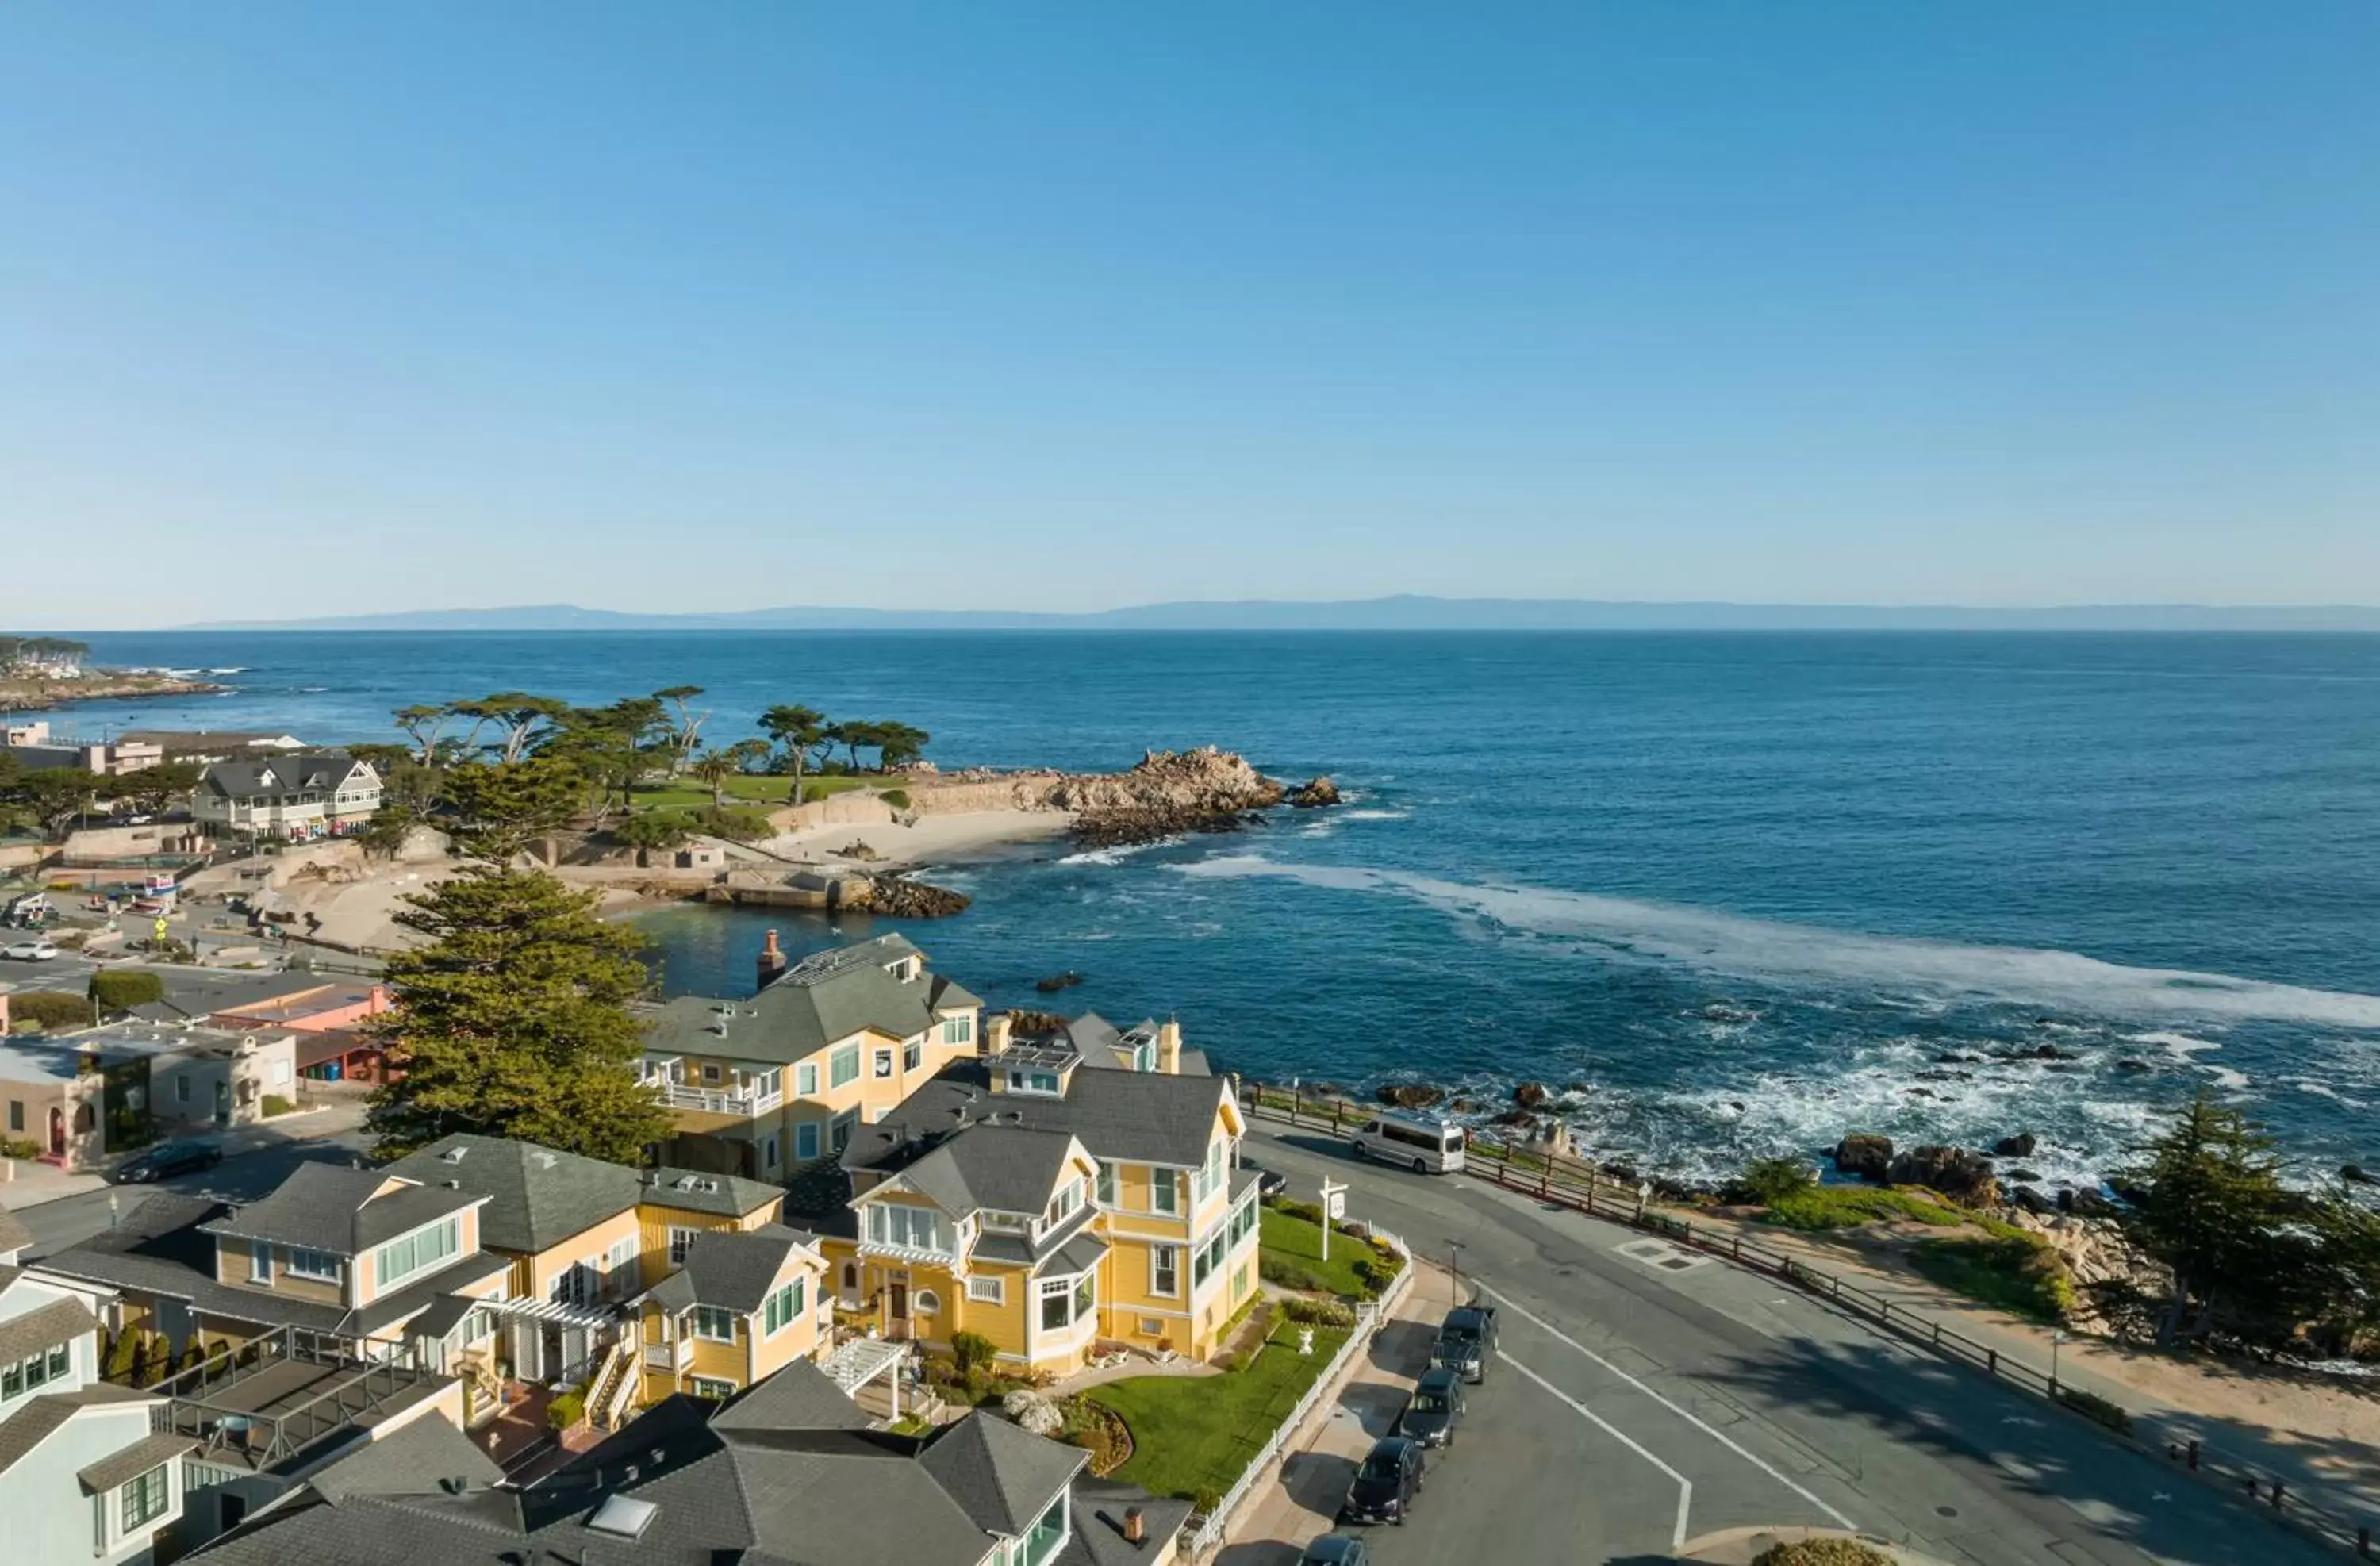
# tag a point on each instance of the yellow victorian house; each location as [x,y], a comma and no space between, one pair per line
[1053,1193]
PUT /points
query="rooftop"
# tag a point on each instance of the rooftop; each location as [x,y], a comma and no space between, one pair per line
[323,1207]
[1142,1117]
[822,999]
[537,1198]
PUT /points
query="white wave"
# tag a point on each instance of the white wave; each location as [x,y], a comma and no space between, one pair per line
[2325,1090]
[236,669]
[1619,930]
[2227,1079]
[2181,1046]
[1116,854]
[1376,814]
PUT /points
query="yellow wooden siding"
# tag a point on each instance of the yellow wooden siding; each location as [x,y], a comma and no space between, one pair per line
[547,1267]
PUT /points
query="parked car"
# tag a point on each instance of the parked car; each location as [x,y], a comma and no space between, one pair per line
[1466,1340]
[1269,1182]
[1336,1549]
[1385,1486]
[1424,1144]
[167,1160]
[1436,1407]
[29,952]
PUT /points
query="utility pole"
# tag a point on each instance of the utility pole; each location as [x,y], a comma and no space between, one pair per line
[1454,1256]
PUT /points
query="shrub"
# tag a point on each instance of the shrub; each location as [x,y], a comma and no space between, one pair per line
[742,824]
[2093,1406]
[122,990]
[2017,1271]
[1771,1180]
[971,1349]
[275,1104]
[1306,1210]
[122,1355]
[1822,1552]
[896,798]
[49,1010]
[19,1148]
[1205,1499]
[566,1410]
[1287,1274]
[1226,1362]
[1319,1313]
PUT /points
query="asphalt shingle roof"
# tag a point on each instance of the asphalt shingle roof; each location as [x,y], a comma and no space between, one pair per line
[537,1197]
[1004,1475]
[724,1195]
[148,1453]
[735,1270]
[43,1327]
[820,1001]
[1099,1506]
[282,775]
[13,1235]
[326,1208]
[419,1455]
[41,1418]
[1006,1167]
[1129,1116]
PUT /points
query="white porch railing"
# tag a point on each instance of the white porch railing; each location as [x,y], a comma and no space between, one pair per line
[673,1356]
[712,1102]
[1368,1318]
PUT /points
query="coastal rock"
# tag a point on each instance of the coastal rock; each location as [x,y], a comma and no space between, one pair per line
[2134,1067]
[2026,1198]
[1314,794]
[2085,1204]
[1410,1096]
[2020,1146]
[2022,1176]
[1033,1024]
[1965,1177]
[1956,1058]
[2036,1053]
[1516,1117]
[898,897]
[1056,982]
[1529,1095]
[2356,1175]
[1170,792]
[1464,1106]
[2099,1261]
[1865,1156]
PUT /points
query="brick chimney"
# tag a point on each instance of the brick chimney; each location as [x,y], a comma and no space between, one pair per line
[1169,1047]
[773,961]
[1135,1526]
[996,1030]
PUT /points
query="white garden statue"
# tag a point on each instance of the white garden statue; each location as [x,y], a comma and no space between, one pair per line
[1306,1340]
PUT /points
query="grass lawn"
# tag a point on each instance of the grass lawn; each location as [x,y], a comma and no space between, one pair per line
[1197,1432]
[1296,1241]
[690,795]
[1847,1207]
[2012,1271]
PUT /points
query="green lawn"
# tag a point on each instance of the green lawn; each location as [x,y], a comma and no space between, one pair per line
[1197,1433]
[690,795]
[1296,1241]
[2014,1270]
[1847,1207]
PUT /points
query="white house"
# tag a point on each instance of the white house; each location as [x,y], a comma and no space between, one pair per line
[82,1477]
[302,795]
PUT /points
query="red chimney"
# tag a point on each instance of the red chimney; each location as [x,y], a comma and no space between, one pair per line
[773,961]
[1135,1529]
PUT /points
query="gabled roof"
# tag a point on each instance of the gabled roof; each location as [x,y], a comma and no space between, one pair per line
[421,1454]
[280,776]
[44,1327]
[537,1198]
[1004,1168]
[691,1190]
[1099,1506]
[38,1418]
[737,1270]
[1131,1116]
[323,1207]
[1003,1475]
[13,1235]
[820,1001]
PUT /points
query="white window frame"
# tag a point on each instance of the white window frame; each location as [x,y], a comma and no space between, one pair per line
[912,1053]
[259,1261]
[701,1316]
[680,1239]
[786,1303]
[882,1063]
[835,1076]
[924,1302]
[713,1386]
[383,1284]
[983,1290]
[1169,1181]
[768,1151]
[1054,1289]
[805,1080]
[303,1263]
[1107,1192]
[124,1493]
[1165,1271]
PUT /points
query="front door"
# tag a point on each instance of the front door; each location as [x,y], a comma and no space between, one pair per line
[900,1311]
[57,1133]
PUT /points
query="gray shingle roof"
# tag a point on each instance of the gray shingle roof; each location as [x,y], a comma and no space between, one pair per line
[1078,1254]
[44,1327]
[779,1477]
[1099,1506]
[821,999]
[326,1208]
[691,1190]
[419,1455]
[735,1270]
[284,775]
[537,1197]
[1129,1116]
[13,1235]
[1006,1167]
[148,1453]
[1003,1475]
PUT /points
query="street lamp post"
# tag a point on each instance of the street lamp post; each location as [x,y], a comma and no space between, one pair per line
[1454,1256]
[2054,1340]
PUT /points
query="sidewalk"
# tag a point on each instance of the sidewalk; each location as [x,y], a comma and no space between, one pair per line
[1301,1502]
[35,1183]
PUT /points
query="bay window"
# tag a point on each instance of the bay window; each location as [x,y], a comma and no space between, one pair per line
[916,1229]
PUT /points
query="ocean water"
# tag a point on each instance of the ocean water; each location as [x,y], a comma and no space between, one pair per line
[1741,893]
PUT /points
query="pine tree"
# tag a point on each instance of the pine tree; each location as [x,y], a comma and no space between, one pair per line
[513,1021]
[2213,1208]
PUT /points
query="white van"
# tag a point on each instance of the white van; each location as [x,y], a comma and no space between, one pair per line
[1424,1143]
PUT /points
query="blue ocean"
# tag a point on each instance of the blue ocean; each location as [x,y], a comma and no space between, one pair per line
[1725,894]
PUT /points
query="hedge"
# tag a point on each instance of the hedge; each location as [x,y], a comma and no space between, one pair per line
[122,990]
[47,1010]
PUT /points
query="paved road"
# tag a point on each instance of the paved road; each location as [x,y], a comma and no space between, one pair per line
[1635,1404]
[241,1177]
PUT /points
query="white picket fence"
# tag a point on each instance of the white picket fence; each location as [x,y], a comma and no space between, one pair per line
[1369,1315]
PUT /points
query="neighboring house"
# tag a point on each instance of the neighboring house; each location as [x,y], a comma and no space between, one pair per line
[740,1308]
[297,795]
[790,1471]
[388,1264]
[221,745]
[133,845]
[1048,1198]
[197,1078]
[83,1476]
[316,1008]
[48,1098]
[100,759]
[762,1085]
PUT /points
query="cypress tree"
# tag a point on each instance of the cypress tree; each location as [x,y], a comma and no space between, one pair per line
[2213,1208]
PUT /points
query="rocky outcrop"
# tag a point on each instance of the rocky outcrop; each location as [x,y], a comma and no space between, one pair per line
[2101,1262]
[1033,1024]
[2020,1146]
[1965,1177]
[1529,1095]
[899,897]
[1314,794]
[1867,1157]
[1410,1095]
[1057,981]
[1169,793]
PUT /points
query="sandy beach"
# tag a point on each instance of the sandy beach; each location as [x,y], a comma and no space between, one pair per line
[920,842]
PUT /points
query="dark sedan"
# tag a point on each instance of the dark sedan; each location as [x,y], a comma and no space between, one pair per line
[1385,1486]
[1335,1549]
[167,1160]
[1270,1183]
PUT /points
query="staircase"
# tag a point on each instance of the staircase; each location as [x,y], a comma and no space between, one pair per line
[615,1397]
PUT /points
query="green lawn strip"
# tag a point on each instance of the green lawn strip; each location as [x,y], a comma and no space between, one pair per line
[2009,1268]
[1196,1434]
[1296,1241]
[690,796]
[1847,1207]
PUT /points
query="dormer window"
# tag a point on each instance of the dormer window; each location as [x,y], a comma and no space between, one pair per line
[1024,1081]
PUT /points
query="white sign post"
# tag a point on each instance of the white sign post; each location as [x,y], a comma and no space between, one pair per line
[1334,1207]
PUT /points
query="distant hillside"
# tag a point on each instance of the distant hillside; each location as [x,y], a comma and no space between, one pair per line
[1404,612]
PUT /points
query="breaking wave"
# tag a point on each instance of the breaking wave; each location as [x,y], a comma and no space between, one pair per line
[1621,929]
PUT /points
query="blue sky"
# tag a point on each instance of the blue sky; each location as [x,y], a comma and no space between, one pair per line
[329,308]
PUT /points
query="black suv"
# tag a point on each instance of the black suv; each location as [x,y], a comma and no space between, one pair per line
[1435,1408]
[167,1160]
[1385,1486]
